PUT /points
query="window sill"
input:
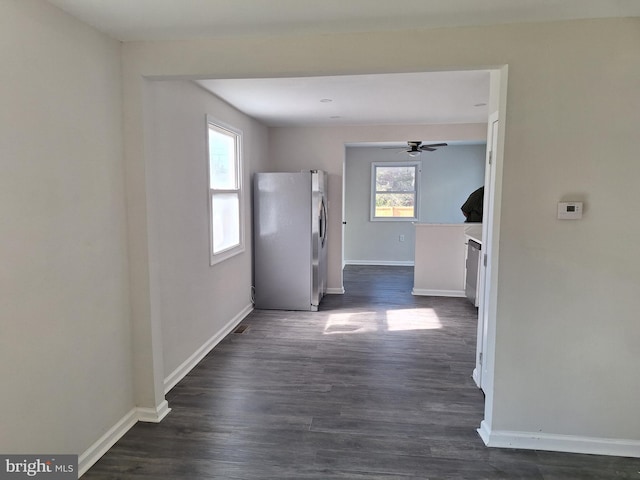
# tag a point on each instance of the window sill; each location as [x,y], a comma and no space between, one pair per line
[225,255]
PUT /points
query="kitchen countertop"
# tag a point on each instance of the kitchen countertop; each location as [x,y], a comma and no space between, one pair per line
[474,232]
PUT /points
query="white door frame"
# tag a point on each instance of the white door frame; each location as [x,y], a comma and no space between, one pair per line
[487,237]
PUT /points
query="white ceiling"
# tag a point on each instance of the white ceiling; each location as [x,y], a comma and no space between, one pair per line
[414,98]
[129,20]
[419,98]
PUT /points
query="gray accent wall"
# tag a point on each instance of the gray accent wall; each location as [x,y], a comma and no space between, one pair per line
[448,176]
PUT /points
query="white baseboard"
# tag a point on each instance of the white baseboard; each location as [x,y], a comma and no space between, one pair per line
[437,293]
[153,415]
[180,372]
[108,440]
[383,263]
[335,291]
[559,443]
[476,377]
[115,433]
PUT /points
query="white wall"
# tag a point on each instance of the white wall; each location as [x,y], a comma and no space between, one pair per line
[65,341]
[197,301]
[565,304]
[448,176]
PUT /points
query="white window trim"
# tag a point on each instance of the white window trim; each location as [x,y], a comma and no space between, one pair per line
[215,258]
[372,207]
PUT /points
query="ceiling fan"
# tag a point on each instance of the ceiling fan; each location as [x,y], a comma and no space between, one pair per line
[415,148]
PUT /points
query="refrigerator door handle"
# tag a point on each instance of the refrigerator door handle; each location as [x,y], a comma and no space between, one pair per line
[323,221]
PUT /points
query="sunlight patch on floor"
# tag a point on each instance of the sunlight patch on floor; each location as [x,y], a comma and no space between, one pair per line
[393,321]
[412,319]
[361,322]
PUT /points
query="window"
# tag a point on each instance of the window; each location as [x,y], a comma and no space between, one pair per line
[225,191]
[394,191]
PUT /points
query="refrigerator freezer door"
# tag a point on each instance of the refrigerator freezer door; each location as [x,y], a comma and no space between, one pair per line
[282,240]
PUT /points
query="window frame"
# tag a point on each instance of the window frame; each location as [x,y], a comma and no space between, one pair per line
[372,210]
[237,135]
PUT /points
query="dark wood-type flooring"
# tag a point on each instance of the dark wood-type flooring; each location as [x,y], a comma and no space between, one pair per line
[376,385]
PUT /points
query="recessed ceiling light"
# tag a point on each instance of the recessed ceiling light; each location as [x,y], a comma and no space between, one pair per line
[335,116]
[480,105]
[326,100]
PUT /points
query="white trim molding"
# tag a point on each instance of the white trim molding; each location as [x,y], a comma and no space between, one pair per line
[157,414]
[92,454]
[188,365]
[108,440]
[437,293]
[335,291]
[476,377]
[153,415]
[137,414]
[559,443]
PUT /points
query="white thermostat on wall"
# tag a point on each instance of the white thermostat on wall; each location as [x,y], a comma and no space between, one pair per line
[569,210]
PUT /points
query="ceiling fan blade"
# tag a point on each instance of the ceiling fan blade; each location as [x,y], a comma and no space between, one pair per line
[435,145]
[432,147]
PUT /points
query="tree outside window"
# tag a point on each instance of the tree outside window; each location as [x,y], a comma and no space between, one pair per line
[395,191]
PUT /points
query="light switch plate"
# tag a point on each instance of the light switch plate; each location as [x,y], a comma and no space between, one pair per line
[569,210]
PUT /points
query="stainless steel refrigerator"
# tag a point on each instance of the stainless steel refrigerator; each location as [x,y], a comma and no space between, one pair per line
[290,240]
